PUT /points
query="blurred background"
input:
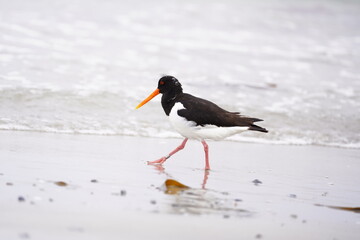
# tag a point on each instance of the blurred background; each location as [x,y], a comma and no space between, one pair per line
[81,66]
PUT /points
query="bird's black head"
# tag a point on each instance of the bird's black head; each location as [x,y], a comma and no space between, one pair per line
[169,84]
[169,87]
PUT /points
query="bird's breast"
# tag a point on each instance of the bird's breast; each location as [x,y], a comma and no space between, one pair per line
[182,125]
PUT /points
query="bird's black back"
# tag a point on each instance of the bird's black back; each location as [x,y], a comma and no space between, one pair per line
[204,112]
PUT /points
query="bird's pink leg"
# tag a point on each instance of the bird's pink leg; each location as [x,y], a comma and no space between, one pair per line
[206,176]
[163,159]
[206,149]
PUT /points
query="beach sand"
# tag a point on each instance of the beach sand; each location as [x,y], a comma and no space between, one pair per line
[58,186]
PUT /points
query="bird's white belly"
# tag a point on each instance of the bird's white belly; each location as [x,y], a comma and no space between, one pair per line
[189,129]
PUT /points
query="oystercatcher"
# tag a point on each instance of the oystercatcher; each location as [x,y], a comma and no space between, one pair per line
[196,118]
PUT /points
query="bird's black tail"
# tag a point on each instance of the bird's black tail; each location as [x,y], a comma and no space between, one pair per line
[254,127]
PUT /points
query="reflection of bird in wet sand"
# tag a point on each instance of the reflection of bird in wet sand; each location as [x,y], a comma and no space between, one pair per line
[198,201]
[161,170]
[201,201]
[196,118]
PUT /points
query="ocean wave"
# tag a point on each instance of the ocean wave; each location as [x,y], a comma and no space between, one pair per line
[102,112]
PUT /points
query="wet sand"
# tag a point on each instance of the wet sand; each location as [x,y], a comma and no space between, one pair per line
[58,186]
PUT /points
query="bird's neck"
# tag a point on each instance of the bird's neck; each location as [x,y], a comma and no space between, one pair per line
[168,100]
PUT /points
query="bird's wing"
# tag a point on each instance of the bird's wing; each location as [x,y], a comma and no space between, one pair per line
[204,112]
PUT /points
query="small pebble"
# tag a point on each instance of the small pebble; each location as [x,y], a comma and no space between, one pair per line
[9,184]
[123,193]
[226,216]
[258,236]
[272,85]
[238,200]
[153,202]
[292,195]
[94,181]
[294,216]
[61,183]
[257,182]
[21,199]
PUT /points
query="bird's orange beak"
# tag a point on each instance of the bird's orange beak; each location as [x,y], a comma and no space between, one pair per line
[151,96]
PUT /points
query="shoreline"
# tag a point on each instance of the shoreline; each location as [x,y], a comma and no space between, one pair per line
[108,190]
[245,140]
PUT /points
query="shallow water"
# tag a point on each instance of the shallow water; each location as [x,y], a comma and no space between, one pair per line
[83,66]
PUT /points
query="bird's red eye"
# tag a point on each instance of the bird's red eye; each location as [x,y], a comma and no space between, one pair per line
[161,83]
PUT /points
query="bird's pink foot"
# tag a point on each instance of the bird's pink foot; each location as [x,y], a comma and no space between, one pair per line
[159,161]
[163,159]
